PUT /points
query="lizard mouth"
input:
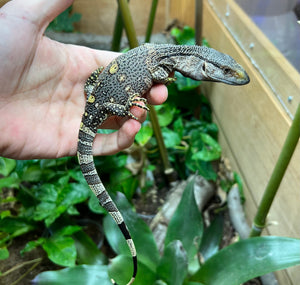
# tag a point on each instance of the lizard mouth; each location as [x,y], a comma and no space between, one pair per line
[239,78]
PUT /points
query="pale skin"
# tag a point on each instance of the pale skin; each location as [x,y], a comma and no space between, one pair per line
[41,87]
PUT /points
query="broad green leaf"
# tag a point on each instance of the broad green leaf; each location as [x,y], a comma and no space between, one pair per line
[185,36]
[178,127]
[171,138]
[15,226]
[144,135]
[32,245]
[61,250]
[165,114]
[4,253]
[77,275]
[32,173]
[87,251]
[94,205]
[248,259]
[121,271]
[124,181]
[186,223]
[47,192]
[212,237]
[203,168]
[210,150]
[173,265]
[5,214]
[68,230]
[67,196]
[140,232]
[7,165]
[11,181]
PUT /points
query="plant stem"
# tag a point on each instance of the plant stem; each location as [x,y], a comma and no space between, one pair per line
[131,35]
[128,23]
[116,41]
[168,170]
[151,21]
[198,22]
[277,175]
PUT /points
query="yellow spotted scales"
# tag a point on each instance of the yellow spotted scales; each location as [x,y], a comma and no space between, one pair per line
[121,85]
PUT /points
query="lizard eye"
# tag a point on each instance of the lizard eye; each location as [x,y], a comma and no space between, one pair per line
[226,70]
[203,67]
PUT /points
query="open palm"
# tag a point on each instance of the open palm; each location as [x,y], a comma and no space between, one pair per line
[41,94]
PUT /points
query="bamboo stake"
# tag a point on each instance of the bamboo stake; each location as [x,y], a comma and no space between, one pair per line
[277,175]
[151,21]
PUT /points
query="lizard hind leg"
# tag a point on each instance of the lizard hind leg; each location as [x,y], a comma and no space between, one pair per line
[134,100]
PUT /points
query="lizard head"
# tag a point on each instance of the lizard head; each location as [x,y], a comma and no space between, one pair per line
[207,64]
[221,67]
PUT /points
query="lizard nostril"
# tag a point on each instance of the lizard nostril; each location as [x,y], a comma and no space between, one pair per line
[203,67]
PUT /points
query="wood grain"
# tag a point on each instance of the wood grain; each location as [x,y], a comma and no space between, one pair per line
[253,126]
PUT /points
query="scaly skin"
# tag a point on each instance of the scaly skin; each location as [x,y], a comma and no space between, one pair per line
[121,85]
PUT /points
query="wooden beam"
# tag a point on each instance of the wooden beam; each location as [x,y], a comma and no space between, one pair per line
[253,126]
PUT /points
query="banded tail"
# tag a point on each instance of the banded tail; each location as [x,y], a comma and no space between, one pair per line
[86,162]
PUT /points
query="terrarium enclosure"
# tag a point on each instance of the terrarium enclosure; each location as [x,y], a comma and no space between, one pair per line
[264,37]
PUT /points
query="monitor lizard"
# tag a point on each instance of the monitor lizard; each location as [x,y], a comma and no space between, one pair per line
[121,85]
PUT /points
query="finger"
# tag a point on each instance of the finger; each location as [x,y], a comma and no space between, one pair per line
[157,94]
[41,12]
[117,141]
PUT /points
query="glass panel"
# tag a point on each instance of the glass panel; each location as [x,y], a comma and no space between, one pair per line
[278,20]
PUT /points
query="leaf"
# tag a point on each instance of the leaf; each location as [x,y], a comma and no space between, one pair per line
[7,165]
[248,259]
[165,114]
[185,83]
[173,265]
[140,232]
[87,251]
[144,135]
[68,230]
[94,205]
[178,127]
[15,226]
[210,150]
[121,271]
[171,138]
[77,275]
[32,245]
[11,181]
[186,223]
[203,168]
[186,36]
[4,253]
[212,237]
[124,181]
[32,173]
[61,250]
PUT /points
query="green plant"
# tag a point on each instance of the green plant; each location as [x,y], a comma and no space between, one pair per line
[186,239]
[64,22]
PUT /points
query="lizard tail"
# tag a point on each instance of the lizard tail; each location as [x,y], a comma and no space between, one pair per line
[86,162]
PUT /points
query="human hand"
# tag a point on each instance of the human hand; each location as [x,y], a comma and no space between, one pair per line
[41,96]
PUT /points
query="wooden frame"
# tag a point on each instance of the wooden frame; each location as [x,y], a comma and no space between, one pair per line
[254,120]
